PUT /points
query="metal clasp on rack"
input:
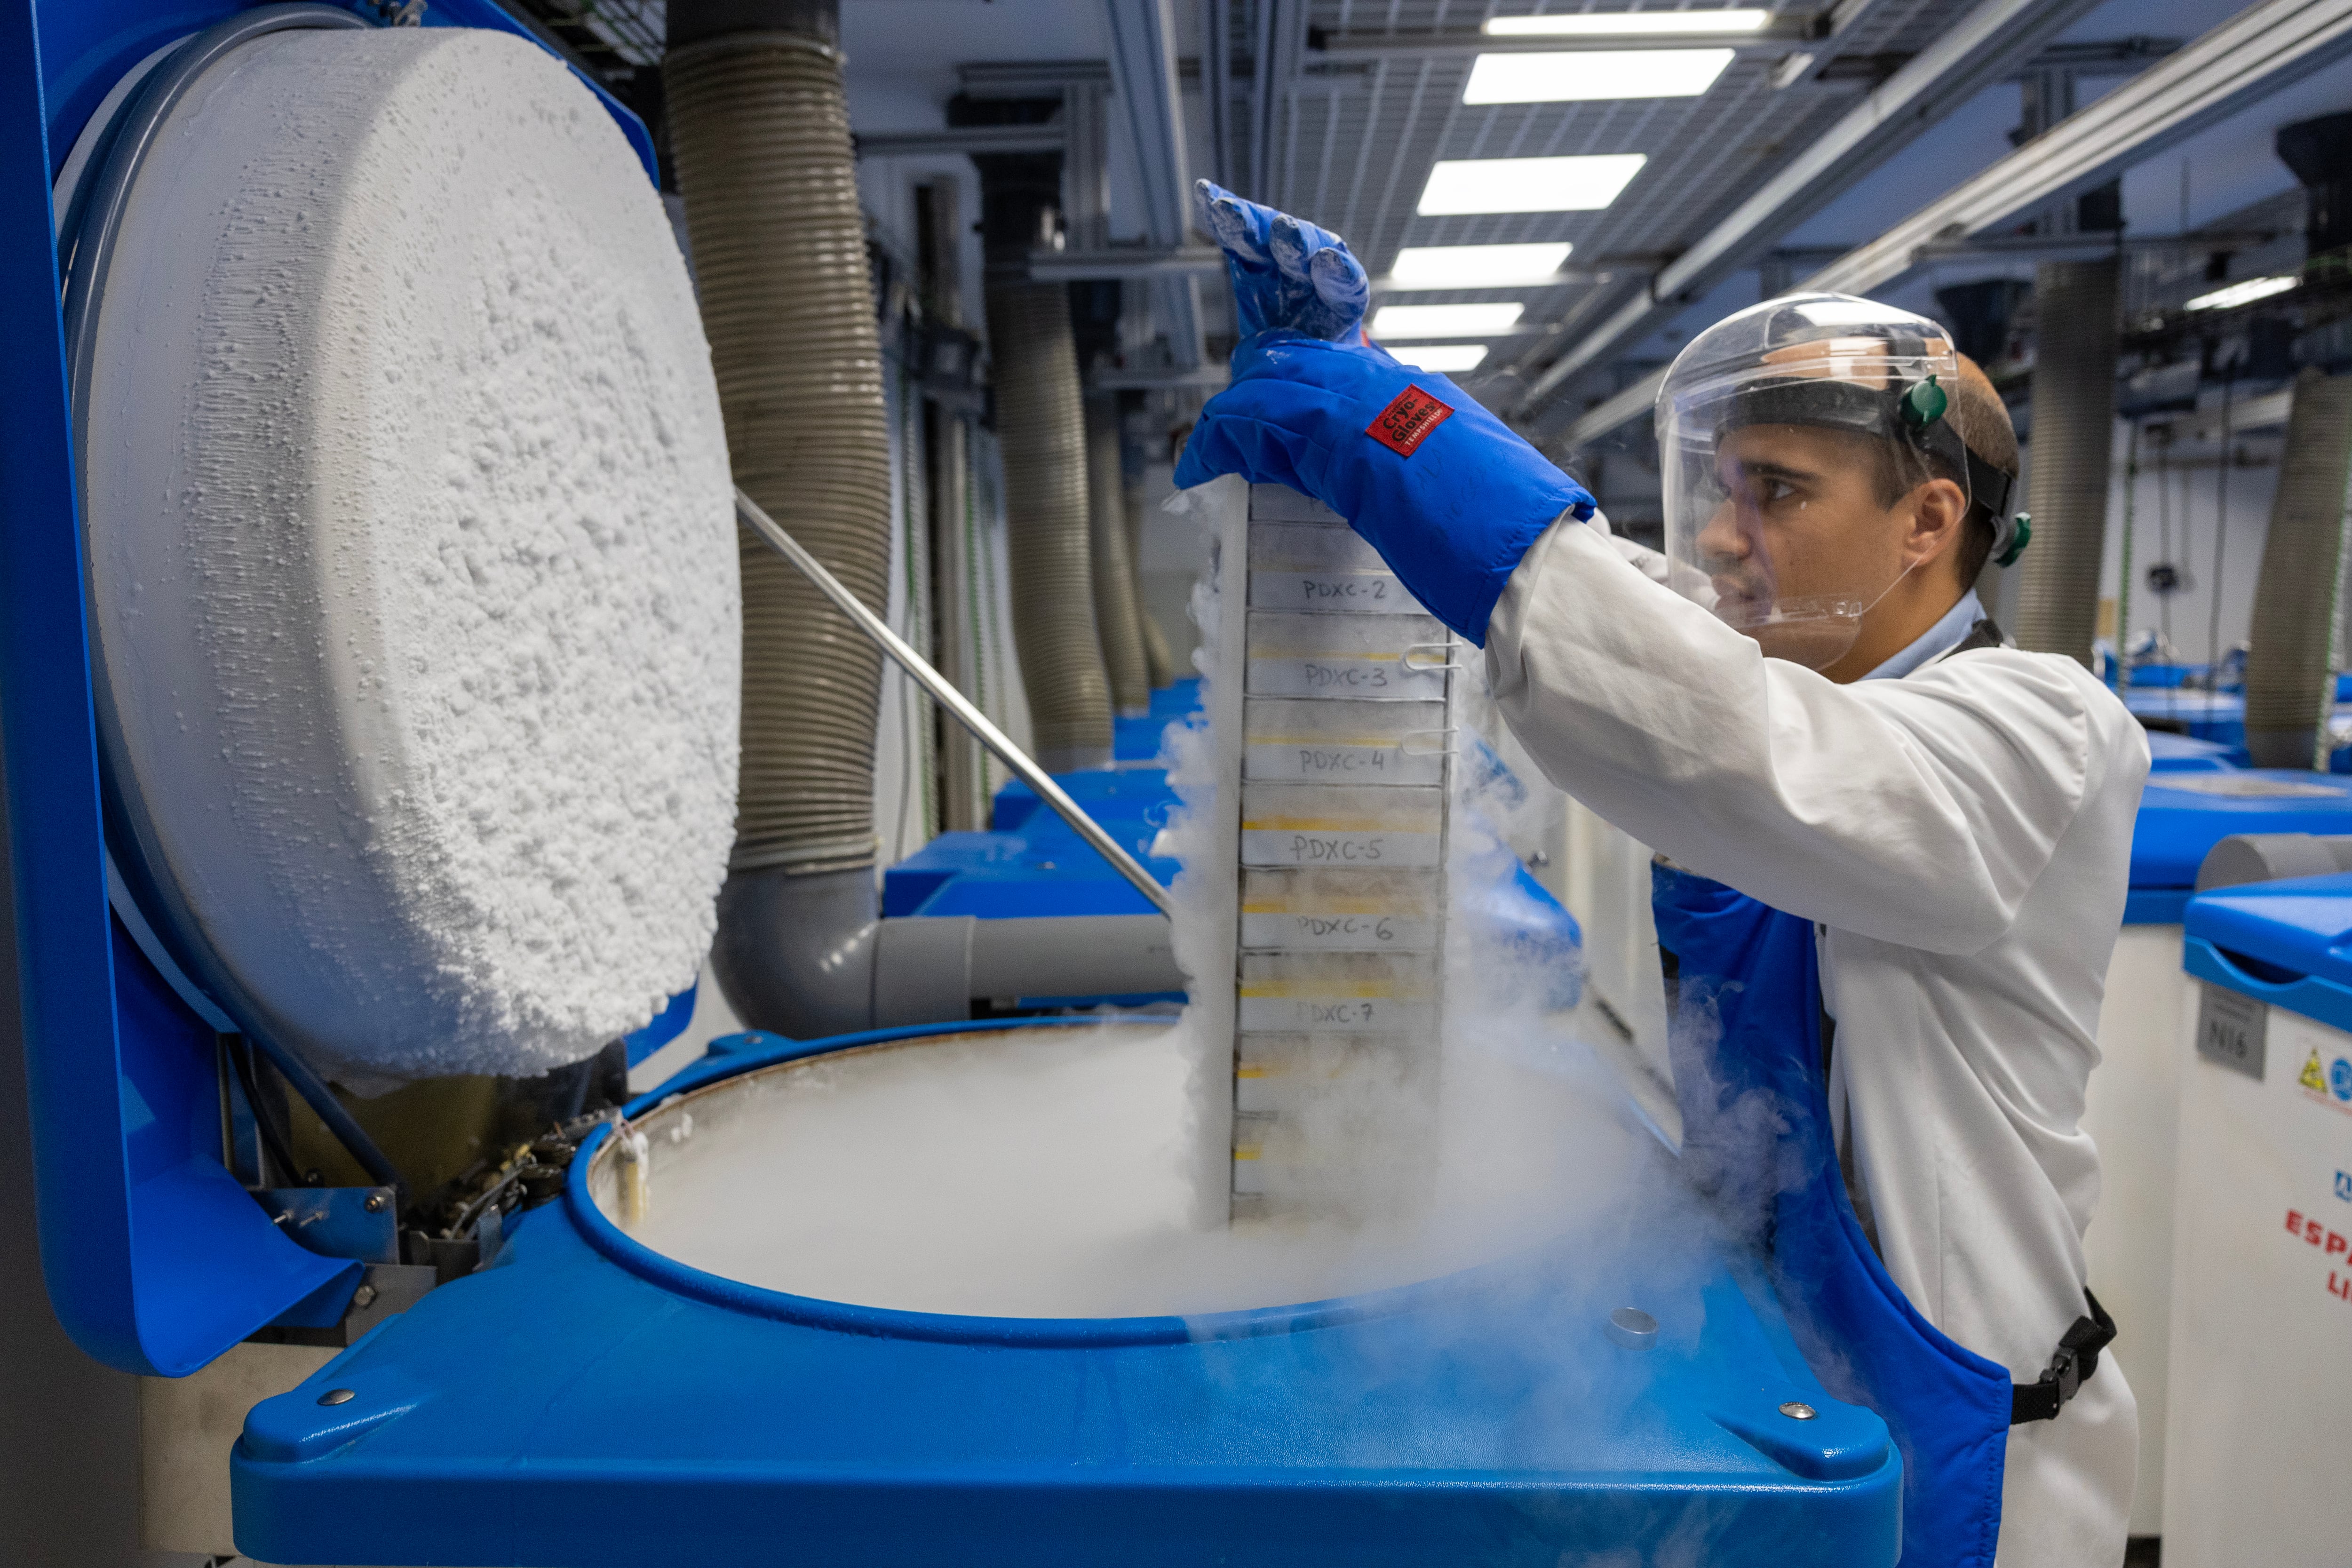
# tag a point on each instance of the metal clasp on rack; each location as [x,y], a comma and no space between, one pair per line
[1405,746]
[1445,659]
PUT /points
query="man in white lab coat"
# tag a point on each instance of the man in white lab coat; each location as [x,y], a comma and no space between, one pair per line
[1804,701]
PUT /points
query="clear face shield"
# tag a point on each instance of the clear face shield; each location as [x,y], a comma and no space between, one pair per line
[1787,434]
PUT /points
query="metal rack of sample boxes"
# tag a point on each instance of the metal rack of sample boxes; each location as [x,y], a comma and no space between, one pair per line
[1344,738]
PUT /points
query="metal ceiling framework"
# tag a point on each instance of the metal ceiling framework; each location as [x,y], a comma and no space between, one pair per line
[2267,47]
[1376,99]
[1983,47]
[1151,112]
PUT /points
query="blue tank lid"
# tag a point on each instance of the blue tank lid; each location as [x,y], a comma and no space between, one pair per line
[2288,944]
[2184,814]
[155,1258]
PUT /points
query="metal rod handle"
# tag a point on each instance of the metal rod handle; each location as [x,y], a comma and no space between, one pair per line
[944,693]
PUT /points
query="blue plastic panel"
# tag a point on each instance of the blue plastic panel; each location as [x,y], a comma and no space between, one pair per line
[2171,754]
[2179,822]
[149,1248]
[667,1025]
[2288,944]
[677,1421]
[2203,715]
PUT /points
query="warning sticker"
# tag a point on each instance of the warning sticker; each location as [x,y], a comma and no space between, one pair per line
[1406,423]
[2327,1080]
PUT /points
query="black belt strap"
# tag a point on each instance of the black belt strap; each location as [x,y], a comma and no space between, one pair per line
[2077,1359]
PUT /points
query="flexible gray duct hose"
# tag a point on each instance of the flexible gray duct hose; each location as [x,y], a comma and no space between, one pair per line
[759,125]
[1041,431]
[2291,661]
[759,129]
[1157,656]
[1117,616]
[2073,438]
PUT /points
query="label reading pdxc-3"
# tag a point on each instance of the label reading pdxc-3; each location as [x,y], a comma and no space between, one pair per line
[2233,1030]
[1406,423]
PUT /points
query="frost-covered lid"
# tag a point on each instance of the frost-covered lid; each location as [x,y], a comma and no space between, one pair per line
[412,558]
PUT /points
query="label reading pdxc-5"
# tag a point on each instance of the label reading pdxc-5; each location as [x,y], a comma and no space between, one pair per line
[1406,423]
[2233,1030]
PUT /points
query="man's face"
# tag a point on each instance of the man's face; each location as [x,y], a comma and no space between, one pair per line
[1800,532]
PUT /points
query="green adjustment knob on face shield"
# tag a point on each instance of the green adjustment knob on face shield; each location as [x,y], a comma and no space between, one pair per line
[2020,534]
[1924,403]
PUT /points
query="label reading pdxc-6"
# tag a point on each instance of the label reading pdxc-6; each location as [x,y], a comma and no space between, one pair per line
[2233,1030]
[1406,423]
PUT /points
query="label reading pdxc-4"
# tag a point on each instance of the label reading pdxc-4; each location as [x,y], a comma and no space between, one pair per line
[2231,1030]
[1406,423]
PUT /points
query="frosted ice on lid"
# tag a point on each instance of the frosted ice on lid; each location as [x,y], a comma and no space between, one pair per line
[412,556]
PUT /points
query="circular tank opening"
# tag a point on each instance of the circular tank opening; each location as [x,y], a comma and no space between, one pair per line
[1051,1171]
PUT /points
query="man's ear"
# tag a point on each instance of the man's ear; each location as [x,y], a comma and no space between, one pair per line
[1939,509]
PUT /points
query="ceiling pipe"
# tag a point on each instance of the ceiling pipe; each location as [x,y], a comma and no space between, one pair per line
[1152,115]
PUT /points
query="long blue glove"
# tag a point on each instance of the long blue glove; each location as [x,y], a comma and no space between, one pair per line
[1449,495]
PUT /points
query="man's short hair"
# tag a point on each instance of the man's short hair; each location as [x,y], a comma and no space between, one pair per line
[1980,419]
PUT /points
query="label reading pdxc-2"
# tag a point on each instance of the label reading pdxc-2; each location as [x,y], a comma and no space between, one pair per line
[1406,423]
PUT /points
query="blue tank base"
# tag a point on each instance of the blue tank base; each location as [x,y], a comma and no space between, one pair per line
[582,1401]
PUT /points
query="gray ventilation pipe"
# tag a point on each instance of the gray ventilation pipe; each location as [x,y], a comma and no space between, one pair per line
[1041,434]
[2291,660]
[1158,658]
[2246,858]
[2073,440]
[759,126]
[935,968]
[1116,616]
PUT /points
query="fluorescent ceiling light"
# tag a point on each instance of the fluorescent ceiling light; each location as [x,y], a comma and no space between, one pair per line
[1446,359]
[1392,321]
[1618,24]
[1474,266]
[1585,183]
[2245,294]
[1586,76]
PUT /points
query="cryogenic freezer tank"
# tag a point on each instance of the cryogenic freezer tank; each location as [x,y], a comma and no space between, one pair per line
[1504,1412]
[2193,801]
[589,1399]
[2259,1371]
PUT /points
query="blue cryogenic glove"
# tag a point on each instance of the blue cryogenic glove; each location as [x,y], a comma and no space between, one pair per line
[1285,273]
[1449,495]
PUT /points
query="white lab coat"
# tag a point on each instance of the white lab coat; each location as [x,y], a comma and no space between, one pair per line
[1962,839]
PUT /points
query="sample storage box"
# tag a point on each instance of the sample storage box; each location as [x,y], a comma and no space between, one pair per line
[2262,1315]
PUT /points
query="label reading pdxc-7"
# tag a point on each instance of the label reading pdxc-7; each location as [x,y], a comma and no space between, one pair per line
[2233,1030]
